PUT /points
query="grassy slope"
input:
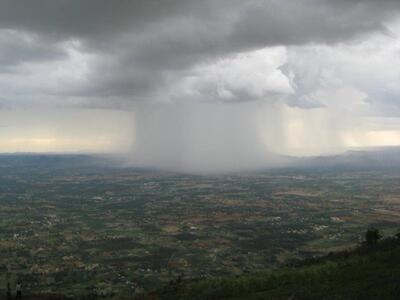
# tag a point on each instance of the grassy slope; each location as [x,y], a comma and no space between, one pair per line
[371,275]
[364,273]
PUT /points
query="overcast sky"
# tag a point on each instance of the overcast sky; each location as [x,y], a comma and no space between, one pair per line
[199,85]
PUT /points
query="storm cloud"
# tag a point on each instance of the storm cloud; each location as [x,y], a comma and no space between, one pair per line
[195,62]
[134,49]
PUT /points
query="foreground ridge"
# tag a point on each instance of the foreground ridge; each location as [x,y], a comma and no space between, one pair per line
[370,271]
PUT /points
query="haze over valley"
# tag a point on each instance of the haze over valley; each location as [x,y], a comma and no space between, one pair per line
[205,150]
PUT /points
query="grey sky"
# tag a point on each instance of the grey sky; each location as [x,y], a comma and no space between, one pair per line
[135,56]
[138,46]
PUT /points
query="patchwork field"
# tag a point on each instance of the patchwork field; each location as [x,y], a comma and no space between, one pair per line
[76,227]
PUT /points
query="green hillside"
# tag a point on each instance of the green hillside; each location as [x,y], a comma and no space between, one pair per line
[371,271]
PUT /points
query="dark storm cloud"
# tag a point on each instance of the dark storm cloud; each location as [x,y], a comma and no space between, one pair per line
[143,45]
[17,47]
[84,18]
[137,55]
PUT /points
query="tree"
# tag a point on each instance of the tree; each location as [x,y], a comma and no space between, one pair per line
[372,237]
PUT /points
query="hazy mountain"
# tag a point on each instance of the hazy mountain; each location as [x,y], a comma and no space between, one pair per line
[385,157]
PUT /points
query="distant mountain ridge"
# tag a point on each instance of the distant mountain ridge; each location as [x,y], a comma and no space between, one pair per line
[386,157]
[372,158]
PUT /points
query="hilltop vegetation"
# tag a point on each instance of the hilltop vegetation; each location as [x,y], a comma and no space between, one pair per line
[370,271]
